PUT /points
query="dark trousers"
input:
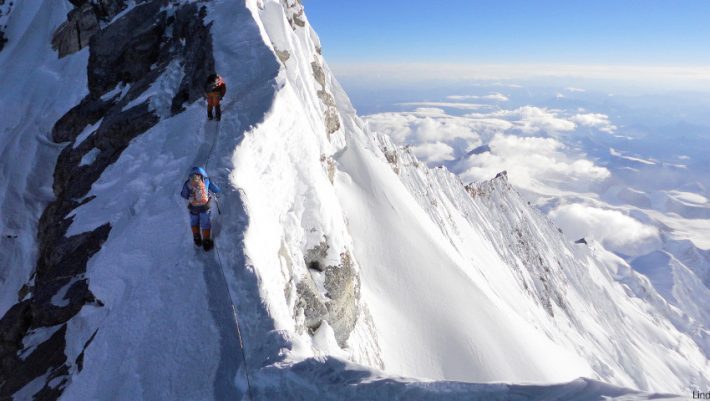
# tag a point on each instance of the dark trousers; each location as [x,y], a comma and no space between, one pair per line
[213,103]
[217,109]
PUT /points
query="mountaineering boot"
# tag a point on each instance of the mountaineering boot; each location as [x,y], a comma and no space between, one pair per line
[207,242]
[196,236]
[219,112]
[209,114]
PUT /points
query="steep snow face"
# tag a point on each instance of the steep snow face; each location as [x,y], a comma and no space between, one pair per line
[462,282]
[330,243]
[297,240]
[566,293]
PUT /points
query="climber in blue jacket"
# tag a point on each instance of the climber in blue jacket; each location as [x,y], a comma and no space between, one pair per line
[198,190]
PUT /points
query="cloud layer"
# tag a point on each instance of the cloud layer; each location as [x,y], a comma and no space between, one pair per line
[525,141]
[533,163]
[675,77]
[595,120]
[499,97]
[615,230]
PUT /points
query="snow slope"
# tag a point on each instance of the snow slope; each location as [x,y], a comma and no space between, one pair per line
[341,266]
[26,147]
[427,253]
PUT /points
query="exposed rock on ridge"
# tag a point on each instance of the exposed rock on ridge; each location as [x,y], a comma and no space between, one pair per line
[82,23]
[5,10]
[130,53]
[340,303]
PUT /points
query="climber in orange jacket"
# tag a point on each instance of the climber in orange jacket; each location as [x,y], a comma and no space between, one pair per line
[215,88]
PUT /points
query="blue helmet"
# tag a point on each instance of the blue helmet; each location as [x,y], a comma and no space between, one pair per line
[199,170]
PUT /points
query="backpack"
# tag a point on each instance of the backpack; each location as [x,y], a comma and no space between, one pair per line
[199,195]
[214,85]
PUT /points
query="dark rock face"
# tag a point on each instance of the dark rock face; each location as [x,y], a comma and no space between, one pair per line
[133,50]
[196,53]
[82,23]
[5,10]
[127,51]
[314,256]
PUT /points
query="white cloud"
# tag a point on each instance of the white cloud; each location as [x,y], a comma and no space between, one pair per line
[396,125]
[429,111]
[595,120]
[430,126]
[493,96]
[617,231]
[533,163]
[497,96]
[451,105]
[532,120]
[572,89]
[535,119]
[677,77]
[433,153]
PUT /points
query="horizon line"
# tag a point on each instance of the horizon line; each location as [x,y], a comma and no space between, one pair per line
[683,75]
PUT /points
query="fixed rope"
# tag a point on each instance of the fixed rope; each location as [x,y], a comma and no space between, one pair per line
[235,315]
[236,321]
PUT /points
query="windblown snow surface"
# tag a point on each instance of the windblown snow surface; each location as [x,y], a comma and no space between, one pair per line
[445,291]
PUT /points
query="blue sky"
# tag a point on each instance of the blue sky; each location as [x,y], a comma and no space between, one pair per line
[629,32]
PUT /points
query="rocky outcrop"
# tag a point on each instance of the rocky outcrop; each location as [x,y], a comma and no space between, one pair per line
[82,23]
[342,284]
[332,118]
[329,164]
[283,55]
[339,304]
[392,159]
[295,13]
[131,53]
[5,10]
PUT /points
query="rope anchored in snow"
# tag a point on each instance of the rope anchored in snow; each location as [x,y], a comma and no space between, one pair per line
[226,286]
[214,142]
[236,321]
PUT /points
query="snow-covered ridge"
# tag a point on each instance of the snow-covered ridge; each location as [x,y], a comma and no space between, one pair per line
[495,244]
[348,264]
[570,291]
[58,288]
